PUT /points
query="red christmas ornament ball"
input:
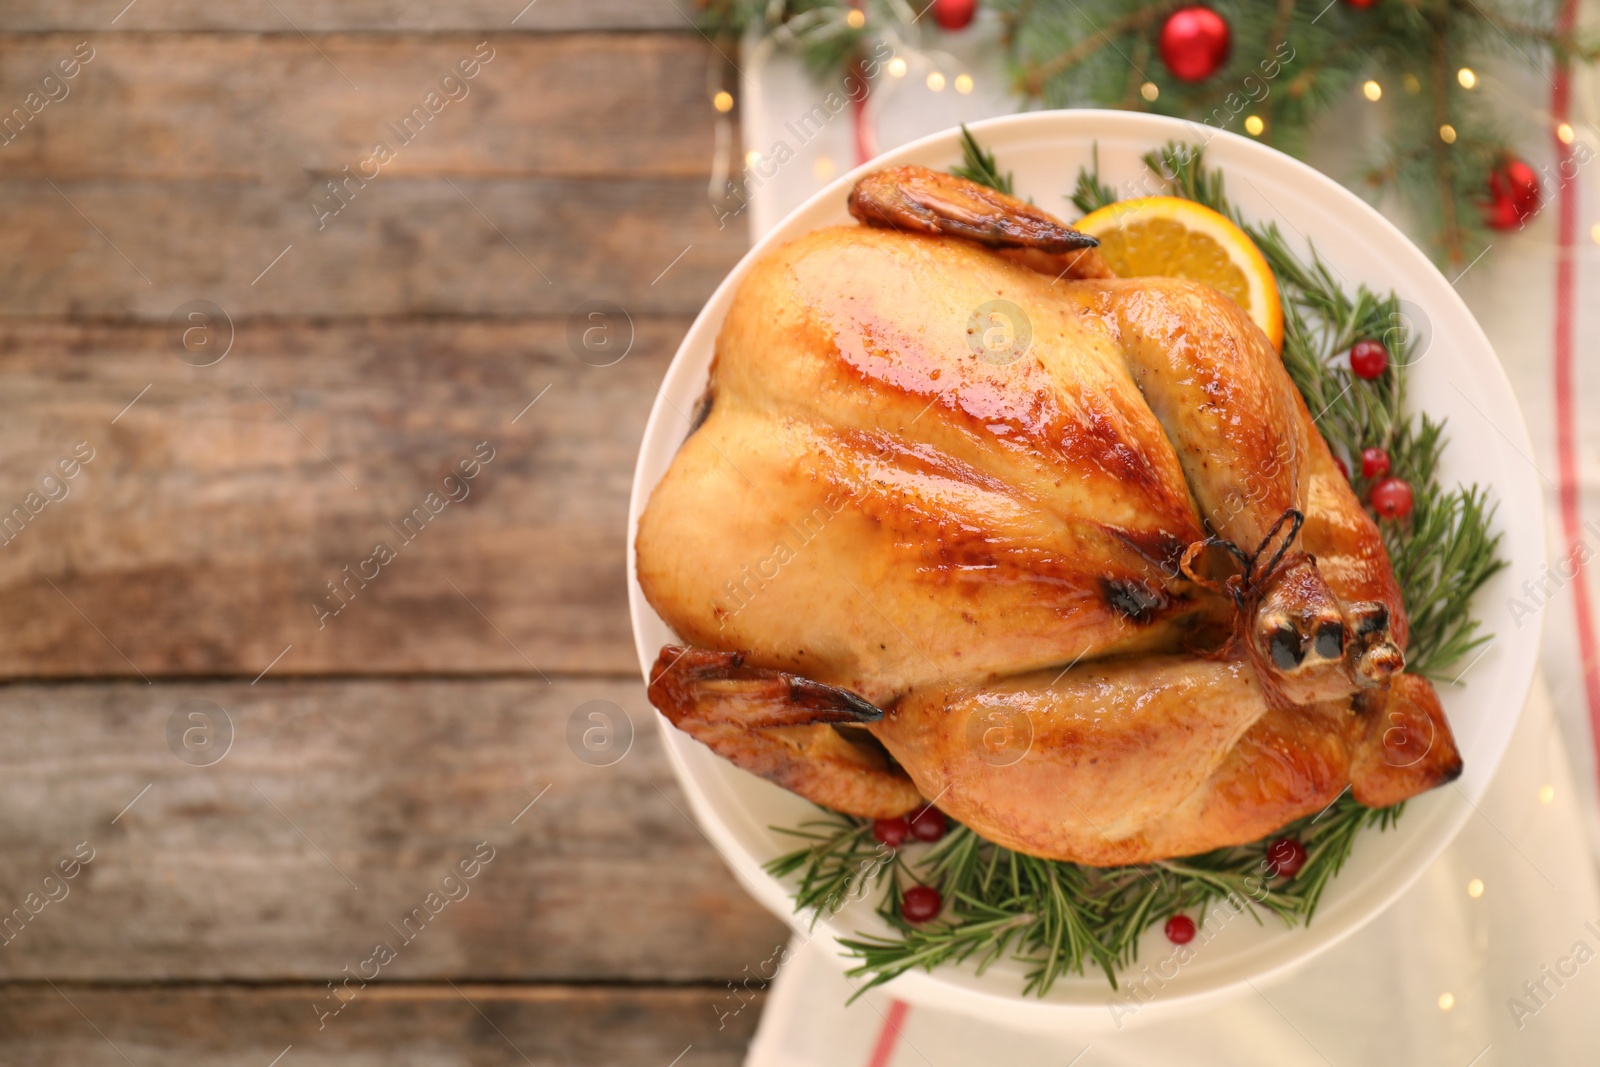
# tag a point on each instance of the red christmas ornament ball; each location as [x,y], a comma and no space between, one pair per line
[1374,463]
[954,15]
[892,832]
[921,903]
[928,824]
[1391,498]
[1194,43]
[1514,195]
[1180,929]
[1369,359]
[1285,857]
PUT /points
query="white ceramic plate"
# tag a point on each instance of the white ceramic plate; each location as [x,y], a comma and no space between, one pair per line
[1457,377]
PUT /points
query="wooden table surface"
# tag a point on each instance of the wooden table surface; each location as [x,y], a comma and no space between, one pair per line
[251,790]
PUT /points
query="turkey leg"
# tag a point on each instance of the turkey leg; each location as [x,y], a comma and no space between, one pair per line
[781,726]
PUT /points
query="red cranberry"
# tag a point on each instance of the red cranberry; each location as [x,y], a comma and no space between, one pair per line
[1180,929]
[928,824]
[1391,498]
[1337,462]
[1374,463]
[892,832]
[1285,857]
[1369,359]
[921,903]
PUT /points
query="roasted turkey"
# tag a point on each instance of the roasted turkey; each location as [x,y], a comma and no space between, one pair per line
[965,520]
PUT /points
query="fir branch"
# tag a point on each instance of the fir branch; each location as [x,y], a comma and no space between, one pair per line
[1291,63]
[1450,236]
[1034,76]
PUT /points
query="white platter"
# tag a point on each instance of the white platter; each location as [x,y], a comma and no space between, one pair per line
[1456,377]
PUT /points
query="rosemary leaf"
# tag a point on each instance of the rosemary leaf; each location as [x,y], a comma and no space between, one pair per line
[980,166]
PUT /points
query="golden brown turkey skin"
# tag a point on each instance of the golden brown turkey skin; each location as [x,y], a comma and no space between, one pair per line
[939,481]
[872,504]
[1133,760]
[1113,762]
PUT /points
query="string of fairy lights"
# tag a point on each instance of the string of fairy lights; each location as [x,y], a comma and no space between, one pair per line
[943,71]
[1449,155]
[721,71]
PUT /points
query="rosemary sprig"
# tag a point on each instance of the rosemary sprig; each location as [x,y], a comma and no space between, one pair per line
[1442,559]
[1091,194]
[979,166]
[1061,918]
[843,862]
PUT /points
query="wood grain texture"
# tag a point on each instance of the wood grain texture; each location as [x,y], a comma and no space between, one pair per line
[252,107]
[368,16]
[337,810]
[423,1026]
[372,351]
[181,167]
[202,537]
[406,247]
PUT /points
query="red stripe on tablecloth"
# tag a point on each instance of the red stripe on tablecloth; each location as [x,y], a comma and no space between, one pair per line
[883,1049]
[1566,400]
[861,126]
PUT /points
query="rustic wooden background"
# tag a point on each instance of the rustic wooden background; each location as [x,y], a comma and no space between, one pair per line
[373,751]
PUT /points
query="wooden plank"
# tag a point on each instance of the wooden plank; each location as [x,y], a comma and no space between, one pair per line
[407,246]
[288,110]
[203,536]
[424,1026]
[367,16]
[335,812]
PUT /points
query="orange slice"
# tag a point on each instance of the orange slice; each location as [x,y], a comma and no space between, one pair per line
[1169,237]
